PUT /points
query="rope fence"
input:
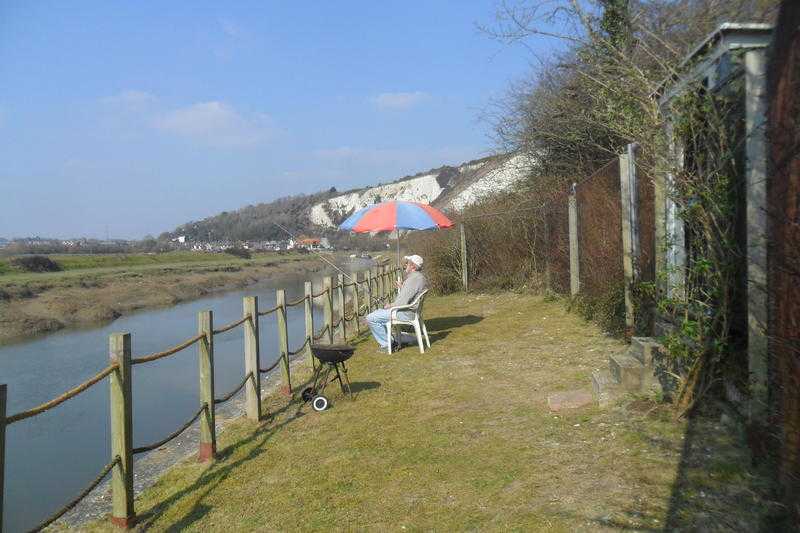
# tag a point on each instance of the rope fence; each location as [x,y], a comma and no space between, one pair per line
[297,302]
[72,503]
[61,399]
[121,397]
[175,349]
[322,332]
[270,368]
[234,391]
[184,427]
[301,348]
[268,311]
[232,325]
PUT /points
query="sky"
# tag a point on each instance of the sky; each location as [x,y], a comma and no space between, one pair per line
[131,118]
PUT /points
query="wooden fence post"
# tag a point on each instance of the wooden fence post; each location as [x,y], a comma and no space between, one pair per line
[252,358]
[356,304]
[283,342]
[122,512]
[3,394]
[464,265]
[205,352]
[372,287]
[309,316]
[342,311]
[574,262]
[328,307]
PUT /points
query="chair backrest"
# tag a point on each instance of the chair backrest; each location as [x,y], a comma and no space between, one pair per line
[418,301]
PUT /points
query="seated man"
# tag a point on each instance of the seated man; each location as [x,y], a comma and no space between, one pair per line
[413,285]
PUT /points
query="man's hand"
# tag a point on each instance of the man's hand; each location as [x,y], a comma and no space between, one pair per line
[387,306]
[398,283]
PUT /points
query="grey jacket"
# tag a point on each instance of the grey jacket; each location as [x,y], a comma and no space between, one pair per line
[414,284]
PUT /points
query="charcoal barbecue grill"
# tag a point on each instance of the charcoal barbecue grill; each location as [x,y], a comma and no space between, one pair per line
[331,357]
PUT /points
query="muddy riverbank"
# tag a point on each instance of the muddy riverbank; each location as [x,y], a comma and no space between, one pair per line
[36,306]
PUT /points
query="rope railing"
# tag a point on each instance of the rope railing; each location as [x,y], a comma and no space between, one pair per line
[72,503]
[271,368]
[297,302]
[234,391]
[61,399]
[122,401]
[322,332]
[184,427]
[301,348]
[232,325]
[175,349]
[268,311]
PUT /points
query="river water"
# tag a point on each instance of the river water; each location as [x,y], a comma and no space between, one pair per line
[51,457]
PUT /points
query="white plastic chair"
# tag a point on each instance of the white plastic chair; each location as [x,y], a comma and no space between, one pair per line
[416,320]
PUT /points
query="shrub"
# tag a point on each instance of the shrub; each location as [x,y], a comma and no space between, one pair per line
[35,263]
[239,252]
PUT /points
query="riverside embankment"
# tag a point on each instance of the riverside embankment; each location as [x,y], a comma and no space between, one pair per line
[33,304]
[49,457]
[462,438]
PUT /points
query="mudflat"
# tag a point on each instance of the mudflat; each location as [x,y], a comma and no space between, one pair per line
[93,293]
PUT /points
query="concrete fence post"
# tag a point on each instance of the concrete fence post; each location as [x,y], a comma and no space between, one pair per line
[342,312]
[464,264]
[283,341]
[3,395]
[205,353]
[308,308]
[328,307]
[626,206]
[252,358]
[121,396]
[574,262]
[755,65]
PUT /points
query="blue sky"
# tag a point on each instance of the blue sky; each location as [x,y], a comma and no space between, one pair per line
[143,115]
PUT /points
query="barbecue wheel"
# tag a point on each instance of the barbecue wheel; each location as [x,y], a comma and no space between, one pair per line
[320,403]
[307,394]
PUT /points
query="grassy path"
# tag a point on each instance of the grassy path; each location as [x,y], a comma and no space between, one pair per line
[461,438]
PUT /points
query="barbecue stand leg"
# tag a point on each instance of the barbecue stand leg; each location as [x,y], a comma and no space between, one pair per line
[347,380]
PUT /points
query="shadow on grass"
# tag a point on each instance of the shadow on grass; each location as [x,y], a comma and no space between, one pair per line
[717,487]
[221,469]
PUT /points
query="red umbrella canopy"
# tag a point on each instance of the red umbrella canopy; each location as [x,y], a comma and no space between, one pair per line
[396,215]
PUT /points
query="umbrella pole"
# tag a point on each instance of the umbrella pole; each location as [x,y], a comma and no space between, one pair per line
[398,247]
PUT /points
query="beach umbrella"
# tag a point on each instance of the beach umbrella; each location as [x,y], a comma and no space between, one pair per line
[394,216]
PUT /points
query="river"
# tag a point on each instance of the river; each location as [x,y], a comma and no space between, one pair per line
[51,457]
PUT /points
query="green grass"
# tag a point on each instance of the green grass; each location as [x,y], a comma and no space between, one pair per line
[72,264]
[461,438]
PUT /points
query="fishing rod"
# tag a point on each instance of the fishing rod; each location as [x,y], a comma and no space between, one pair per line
[345,274]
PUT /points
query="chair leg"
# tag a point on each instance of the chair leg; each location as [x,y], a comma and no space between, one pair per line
[389,335]
[425,332]
[419,337]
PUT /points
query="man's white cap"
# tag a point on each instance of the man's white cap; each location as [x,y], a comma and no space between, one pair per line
[417,260]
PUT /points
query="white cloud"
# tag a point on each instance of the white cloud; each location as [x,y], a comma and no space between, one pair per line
[130,98]
[216,124]
[399,101]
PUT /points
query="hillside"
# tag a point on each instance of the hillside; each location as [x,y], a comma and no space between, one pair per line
[448,188]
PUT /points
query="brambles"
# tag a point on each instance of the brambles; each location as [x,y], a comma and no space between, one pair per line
[35,263]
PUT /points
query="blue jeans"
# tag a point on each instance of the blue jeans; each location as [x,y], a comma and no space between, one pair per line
[377,321]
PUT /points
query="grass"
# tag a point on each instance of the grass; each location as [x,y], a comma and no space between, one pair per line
[95,263]
[461,438]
